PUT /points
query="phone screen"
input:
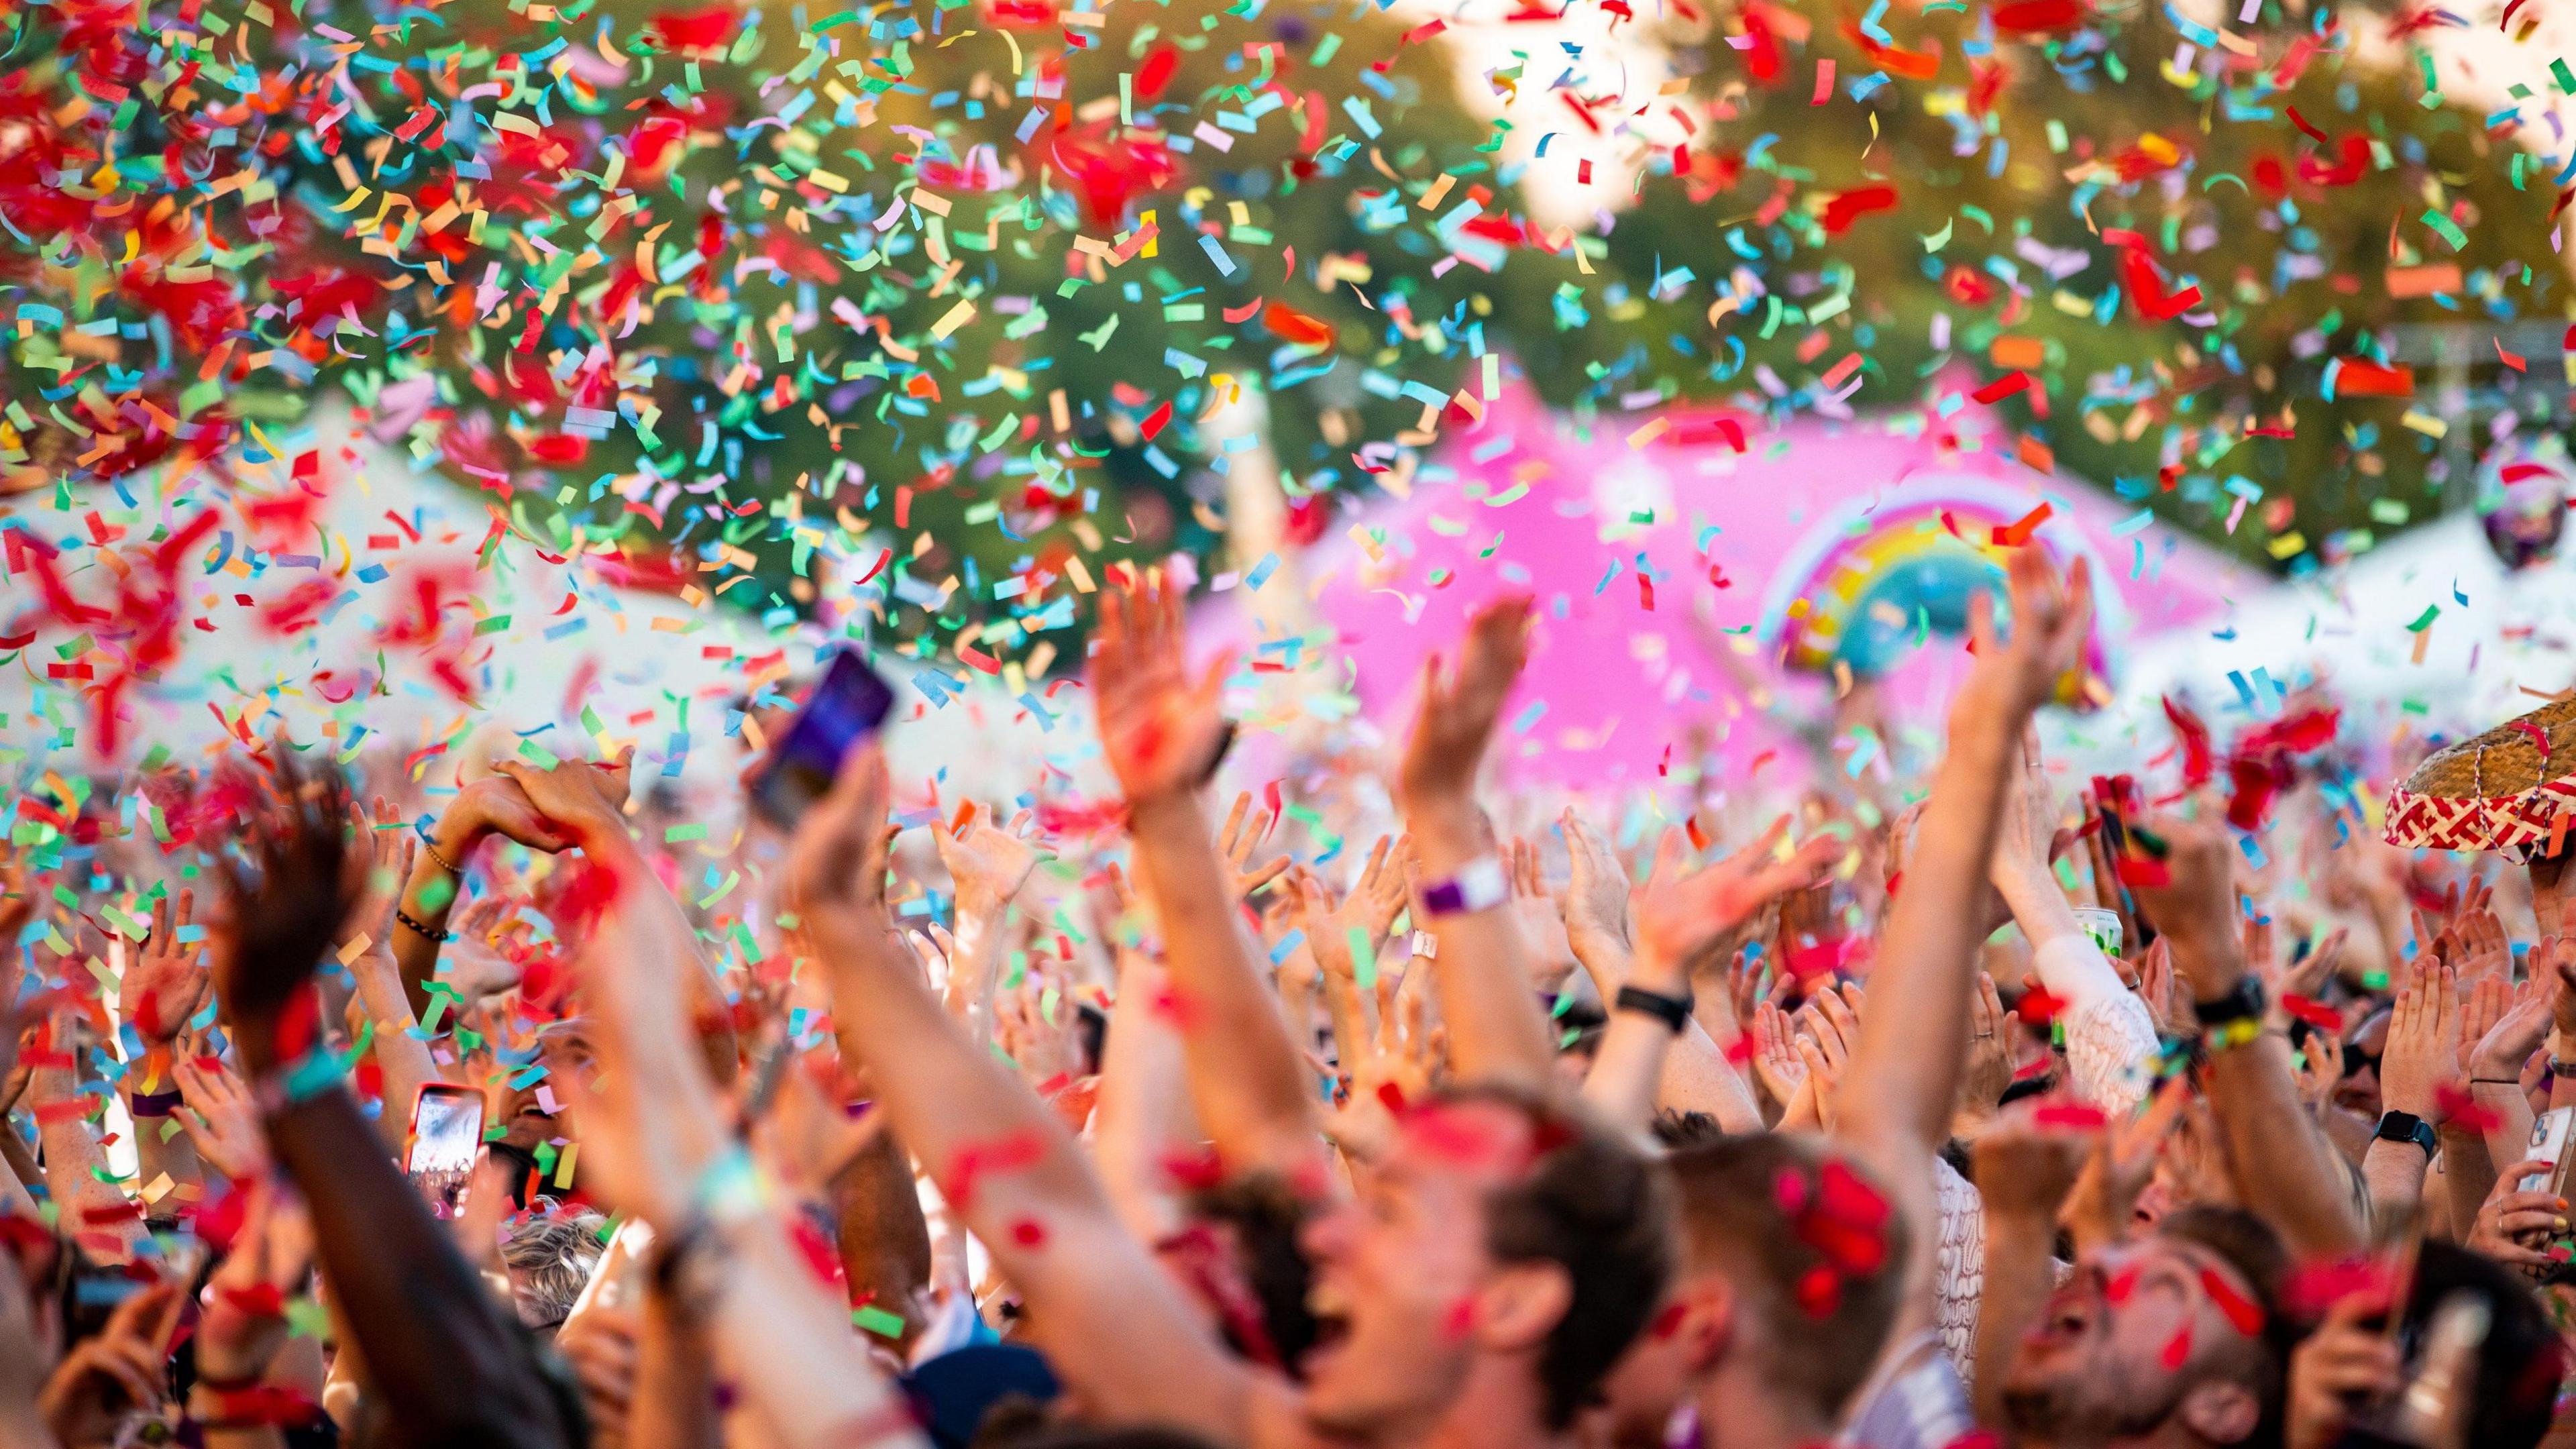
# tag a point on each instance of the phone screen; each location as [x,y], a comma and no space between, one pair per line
[446,1130]
[846,706]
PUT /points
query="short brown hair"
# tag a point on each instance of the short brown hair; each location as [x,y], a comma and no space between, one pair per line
[1602,1210]
[1825,1322]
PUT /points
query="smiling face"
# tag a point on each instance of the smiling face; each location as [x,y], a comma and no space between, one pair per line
[1398,1270]
[2139,1335]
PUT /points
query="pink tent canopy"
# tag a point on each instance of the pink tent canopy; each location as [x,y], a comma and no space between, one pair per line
[1656,544]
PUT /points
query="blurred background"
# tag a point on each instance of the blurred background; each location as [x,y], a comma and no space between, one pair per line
[435,379]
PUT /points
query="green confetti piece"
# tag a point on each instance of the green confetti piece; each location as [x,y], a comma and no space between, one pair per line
[677,833]
[2424,621]
[876,1320]
[2443,227]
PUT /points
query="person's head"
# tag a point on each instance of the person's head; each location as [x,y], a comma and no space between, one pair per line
[1499,1230]
[1241,1261]
[2358,1092]
[1792,1261]
[2519,1363]
[2180,1328]
[550,1257]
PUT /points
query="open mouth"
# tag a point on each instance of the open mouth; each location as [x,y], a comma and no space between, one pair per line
[2071,1315]
[1332,1313]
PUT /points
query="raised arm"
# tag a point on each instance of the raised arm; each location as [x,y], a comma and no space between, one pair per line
[584,803]
[661,1148]
[1481,961]
[437,1349]
[369,947]
[1109,1320]
[2189,893]
[162,988]
[1903,1079]
[988,866]
[1160,729]
[2110,1039]
[1143,1111]
[2024,1172]
[493,805]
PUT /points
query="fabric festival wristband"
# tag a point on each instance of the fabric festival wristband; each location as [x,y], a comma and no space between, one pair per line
[153,1104]
[731,1190]
[2223,1035]
[1479,885]
[300,1081]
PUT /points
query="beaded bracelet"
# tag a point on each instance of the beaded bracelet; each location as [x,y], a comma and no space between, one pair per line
[404,918]
[435,854]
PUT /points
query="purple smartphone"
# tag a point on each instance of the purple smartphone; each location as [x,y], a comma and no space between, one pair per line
[847,705]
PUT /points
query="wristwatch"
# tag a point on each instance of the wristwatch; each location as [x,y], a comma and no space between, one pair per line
[2406,1127]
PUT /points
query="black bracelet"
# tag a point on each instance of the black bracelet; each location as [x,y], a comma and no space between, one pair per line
[1673,1011]
[402,917]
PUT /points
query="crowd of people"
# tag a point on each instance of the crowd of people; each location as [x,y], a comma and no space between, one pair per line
[2025,1111]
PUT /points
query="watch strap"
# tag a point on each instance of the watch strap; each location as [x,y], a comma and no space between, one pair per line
[1673,1011]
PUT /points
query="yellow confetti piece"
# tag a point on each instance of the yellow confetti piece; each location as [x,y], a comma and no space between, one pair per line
[958,316]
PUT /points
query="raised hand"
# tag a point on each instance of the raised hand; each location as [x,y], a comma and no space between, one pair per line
[1551,942]
[1989,1069]
[2051,620]
[243,1323]
[2189,893]
[603,1348]
[2514,1227]
[2027,1168]
[583,802]
[1244,830]
[2483,948]
[388,849]
[165,982]
[836,864]
[1461,706]
[2516,1035]
[284,908]
[1681,918]
[2348,1362]
[1159,727]
[1594,902]
[107,1379]
[2423,1051]
[988,864]
[495,805]
[2309,977]
[1379,895]
[219,1117]
[1777,1064]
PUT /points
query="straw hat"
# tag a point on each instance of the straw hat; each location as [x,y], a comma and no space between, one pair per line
[2511,790]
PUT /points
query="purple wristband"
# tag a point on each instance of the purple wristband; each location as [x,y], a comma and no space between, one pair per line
[152,1104]
[1479,885]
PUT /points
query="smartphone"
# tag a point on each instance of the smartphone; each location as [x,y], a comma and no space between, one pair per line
[2550,1135]
[446,1132]
[847,705]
